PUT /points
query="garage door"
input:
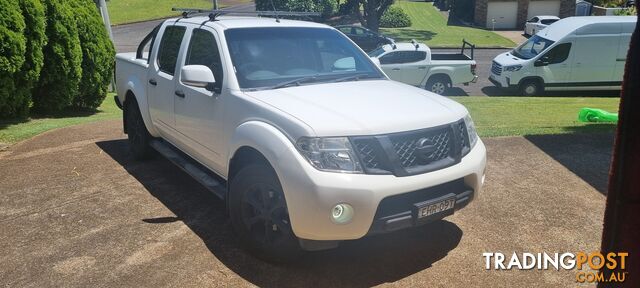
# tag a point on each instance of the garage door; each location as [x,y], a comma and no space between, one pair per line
[543,8]
[505,15]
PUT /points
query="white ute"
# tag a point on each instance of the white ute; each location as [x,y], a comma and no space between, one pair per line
[415,64]
[302,135]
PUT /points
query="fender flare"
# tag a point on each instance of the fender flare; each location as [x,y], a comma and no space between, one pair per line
[435,72]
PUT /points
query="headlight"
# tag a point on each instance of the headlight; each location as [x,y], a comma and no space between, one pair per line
[471,130]
[329,154]
[512,68]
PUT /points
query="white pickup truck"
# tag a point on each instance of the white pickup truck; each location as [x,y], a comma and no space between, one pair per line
[415,64]
[302,135]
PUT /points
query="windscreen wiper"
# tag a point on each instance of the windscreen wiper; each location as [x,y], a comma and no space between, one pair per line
[355,77]
[294,82]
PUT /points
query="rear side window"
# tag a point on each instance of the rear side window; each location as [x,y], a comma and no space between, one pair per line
[559,53]
[203,50]
[400,57]
[548,21]
[415,56]
[169,48]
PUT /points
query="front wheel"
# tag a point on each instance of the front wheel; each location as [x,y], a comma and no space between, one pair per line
[438,85]
[530,88]
[259,214]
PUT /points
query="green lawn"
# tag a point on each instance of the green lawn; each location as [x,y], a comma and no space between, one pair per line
[494,116]
[430,26]
[128,11]
[506,116]
[12,131]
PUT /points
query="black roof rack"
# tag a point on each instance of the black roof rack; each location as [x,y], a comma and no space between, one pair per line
[213,14]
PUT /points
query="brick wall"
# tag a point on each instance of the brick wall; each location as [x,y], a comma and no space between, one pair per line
[480,14]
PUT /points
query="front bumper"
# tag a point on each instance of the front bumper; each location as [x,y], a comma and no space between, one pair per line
[311,194]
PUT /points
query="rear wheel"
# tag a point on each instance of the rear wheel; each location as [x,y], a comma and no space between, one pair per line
[259,214]
[530,88]
[438,84]
[137,132]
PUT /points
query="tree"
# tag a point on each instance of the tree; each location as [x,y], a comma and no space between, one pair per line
[12,49]
[372,12]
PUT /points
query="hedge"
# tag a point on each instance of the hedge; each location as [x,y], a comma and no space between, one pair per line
[97,55]
[395,17]
[60,76]
[12,50]
[34,17]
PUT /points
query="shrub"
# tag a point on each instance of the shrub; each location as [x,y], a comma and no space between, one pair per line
[97,55]
[12,49]
[395,17]
[60,75]
[27,77]
[326,7]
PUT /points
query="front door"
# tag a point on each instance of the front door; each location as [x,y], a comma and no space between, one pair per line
[557,71]
[161,81]
[199,113]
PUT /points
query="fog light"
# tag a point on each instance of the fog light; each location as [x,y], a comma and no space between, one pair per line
[342,213]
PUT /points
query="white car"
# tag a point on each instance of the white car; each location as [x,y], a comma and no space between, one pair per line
[538,23]
[415,64]
[297,129]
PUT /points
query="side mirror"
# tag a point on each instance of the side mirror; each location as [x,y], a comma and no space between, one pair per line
[543,61]
[198,76]
[376,61]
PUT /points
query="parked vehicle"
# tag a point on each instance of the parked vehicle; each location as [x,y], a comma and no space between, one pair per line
[302,135]
[363,37]
[535,24]
[575,53]
[415,64]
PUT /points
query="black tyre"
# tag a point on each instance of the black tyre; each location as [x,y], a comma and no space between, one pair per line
[137,132]
[530,88]
[259,214]
[438,84]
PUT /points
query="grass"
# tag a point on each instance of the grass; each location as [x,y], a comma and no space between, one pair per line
[508,116]
[494,116]
[12,131]
[128,11]
[430,26]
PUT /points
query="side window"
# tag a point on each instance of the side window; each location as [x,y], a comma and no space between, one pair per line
[559,53]
[169,48]
[534,20]
[359,31]
[345,30]
[548,21]
[203,50]
[415,56]
[391,58]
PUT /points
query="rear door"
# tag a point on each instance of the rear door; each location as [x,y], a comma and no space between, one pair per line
[199,112]
[161,78]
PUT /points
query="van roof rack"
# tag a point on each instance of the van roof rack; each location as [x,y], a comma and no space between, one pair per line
[213,14]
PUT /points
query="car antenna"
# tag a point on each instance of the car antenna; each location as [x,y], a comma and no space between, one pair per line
[275,11]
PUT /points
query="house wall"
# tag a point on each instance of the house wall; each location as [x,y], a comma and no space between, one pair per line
[567,9]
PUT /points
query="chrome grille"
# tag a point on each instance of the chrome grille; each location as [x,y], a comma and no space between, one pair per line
[367,153]
[496,68]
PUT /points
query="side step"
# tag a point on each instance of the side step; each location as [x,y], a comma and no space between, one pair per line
[208,179]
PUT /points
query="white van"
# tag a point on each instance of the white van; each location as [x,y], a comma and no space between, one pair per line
[575,53]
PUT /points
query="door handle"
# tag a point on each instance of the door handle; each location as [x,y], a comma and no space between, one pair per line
[179,93]
[153,82]
[395,69]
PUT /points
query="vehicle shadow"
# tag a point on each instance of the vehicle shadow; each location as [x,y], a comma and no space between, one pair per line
[455,91]
[588,155]
[360,263]
[494,91]
[407,34]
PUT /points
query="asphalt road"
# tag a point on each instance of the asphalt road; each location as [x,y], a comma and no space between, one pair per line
[76,211]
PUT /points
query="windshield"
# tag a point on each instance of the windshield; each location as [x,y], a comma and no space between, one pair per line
[377,52]
[273,56]
[532,48]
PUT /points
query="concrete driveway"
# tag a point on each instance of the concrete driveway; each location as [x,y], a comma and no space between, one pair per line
[76,212]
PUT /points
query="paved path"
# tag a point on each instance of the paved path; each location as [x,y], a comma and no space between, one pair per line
[75,211]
